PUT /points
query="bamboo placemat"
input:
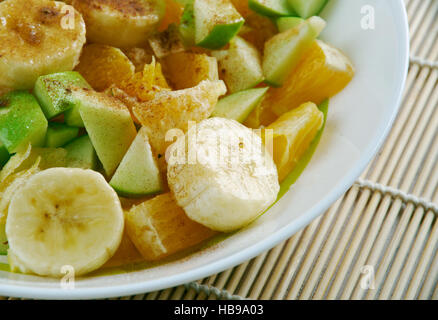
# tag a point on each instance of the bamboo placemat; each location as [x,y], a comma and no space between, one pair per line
[380,239]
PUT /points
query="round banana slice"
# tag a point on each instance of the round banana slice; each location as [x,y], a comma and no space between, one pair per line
[221,174]
[120,23]
[37,37]
[63,217]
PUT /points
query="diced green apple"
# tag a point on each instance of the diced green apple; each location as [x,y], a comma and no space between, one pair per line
[283,51]
[239,105]
[21,121]
[137,174]
[72,117]
[271,8]
[308,8]
[210,24]
[240,65]
[187,25]
[58,134]
[109,125]
[54,94]
[81,153]
[286,23]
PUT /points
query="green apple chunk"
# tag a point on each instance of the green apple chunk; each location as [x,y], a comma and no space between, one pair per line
[186,27]
[216,22]
[54,94]
[3,240]
[58,134]
[271,8]
[239,105]
[4,155]
[239,66]
[137,174]
[286,23]
[308,8]
[81,153]
[72,117]
[21,121]
[109,125]
[284,50]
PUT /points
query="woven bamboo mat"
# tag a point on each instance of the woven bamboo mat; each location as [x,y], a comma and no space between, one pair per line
[379,240]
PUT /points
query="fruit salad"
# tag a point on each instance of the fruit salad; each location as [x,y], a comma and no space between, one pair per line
[135,130]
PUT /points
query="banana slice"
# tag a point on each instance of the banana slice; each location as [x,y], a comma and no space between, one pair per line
[120,23]
[37,37]
[63,217]
[221,174]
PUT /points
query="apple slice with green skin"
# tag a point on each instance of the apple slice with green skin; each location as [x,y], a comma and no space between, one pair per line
[4,155]
[3,241]
[58,134]
[109,125]
[137,174]
[72,117]
[284,50]
[271,8]
[240,65]
[186,27]
[239,105]
[308,8]
[53,92]
[286,23]
[210,24]
[81,153]
[21,121]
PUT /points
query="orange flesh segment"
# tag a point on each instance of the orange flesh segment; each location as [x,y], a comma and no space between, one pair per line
[322,73]
[159,228]
[292,134]
[103,66]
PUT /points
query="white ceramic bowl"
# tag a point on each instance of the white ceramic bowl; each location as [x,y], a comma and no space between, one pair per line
[359,120]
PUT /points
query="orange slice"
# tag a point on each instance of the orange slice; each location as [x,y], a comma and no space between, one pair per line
[322,73]
[175,109]
[103,66]
[292,134]
[159,228]
[186,70]
[143,85]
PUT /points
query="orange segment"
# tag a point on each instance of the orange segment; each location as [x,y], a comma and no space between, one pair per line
[143,85]
[159,228]
[186,70]
[173,14]
[292,134]
[321,74]
[127,253]
[103,66]
[174,109]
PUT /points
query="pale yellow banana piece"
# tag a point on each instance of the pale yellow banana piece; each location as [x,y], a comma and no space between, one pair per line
[63,218]
[37,37]
[221,174]
[120,23]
